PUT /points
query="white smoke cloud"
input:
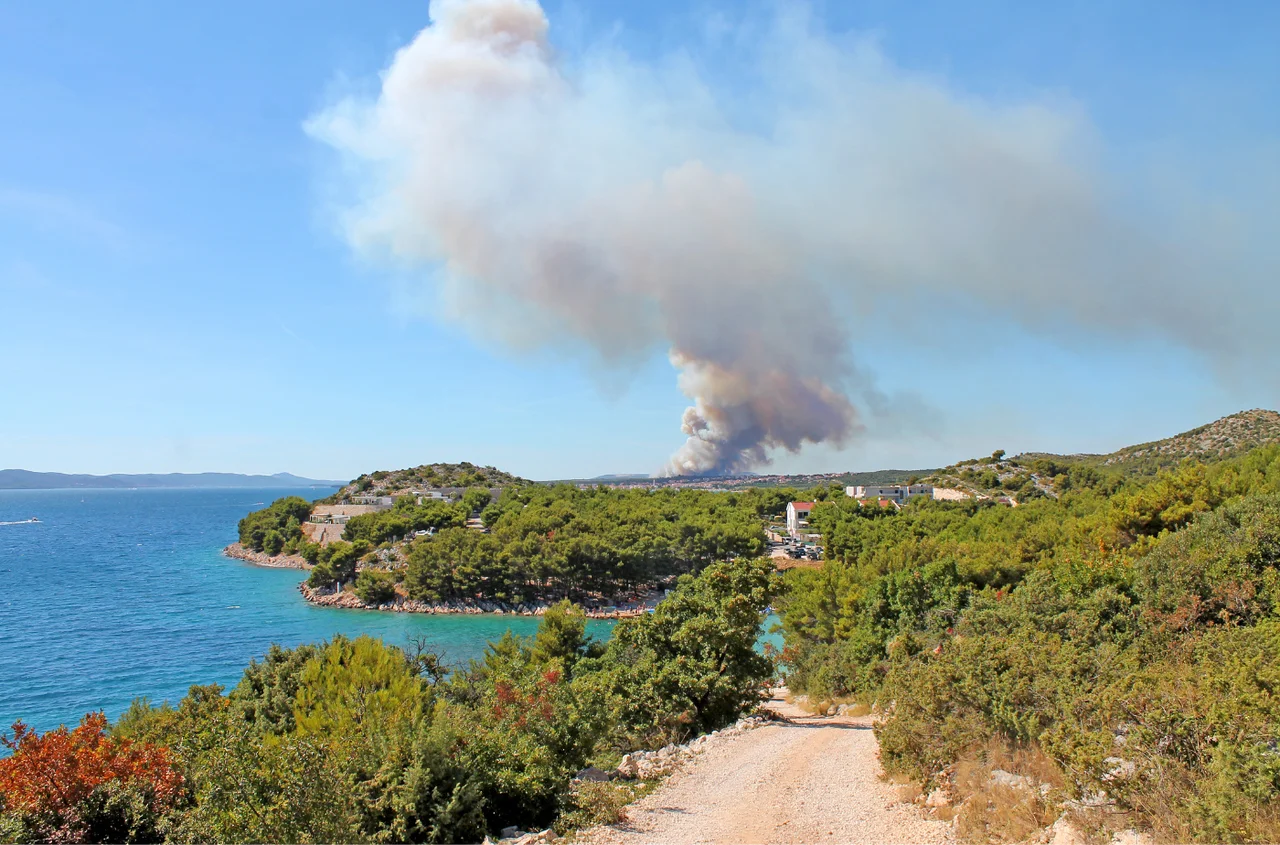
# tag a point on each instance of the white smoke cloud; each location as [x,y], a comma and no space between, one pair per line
[629,207]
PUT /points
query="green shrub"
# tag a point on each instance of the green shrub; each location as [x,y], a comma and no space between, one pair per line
[284,517]
[1128,633]
[353,740]
[691,665]
[374,586]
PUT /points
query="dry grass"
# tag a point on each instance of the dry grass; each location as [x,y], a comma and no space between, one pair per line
[1170,802]
[991,812]
[819,706]
[909,792]
[784,563]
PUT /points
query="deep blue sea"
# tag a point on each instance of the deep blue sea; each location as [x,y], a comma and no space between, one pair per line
[116,594]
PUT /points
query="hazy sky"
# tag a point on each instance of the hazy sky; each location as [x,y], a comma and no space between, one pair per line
[177,292]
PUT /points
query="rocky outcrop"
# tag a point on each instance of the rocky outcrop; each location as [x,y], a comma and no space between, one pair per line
[515,836]
[644,765]
[331,597]
[240,552]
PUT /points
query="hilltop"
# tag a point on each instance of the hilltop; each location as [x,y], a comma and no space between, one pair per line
[430,476]
[1230,436]
[1035,473]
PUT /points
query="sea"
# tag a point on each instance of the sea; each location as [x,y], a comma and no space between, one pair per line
[120,594]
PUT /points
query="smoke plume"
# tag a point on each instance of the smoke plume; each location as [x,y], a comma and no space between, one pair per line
[630,207]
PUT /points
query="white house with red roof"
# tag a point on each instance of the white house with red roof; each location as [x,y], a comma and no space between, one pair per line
[798,516]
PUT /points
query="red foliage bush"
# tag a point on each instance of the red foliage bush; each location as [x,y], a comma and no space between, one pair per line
[48,776]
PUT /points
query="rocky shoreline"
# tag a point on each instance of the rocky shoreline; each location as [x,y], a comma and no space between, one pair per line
[350,601]
[239,552]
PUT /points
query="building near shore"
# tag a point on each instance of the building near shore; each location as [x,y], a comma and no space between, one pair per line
[798,517]
[340,514]
[425,495]
[381,503]
[950,494]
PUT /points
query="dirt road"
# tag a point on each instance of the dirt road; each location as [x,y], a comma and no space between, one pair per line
[814,779]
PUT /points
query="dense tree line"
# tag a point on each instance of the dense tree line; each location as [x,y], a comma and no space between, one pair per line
[544,543]
[358,741]
[406,518]
[277,527]
[540,542]
[552,542]
[1126,636]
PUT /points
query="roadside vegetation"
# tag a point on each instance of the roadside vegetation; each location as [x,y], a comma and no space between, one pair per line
[360,741]
[1118,646]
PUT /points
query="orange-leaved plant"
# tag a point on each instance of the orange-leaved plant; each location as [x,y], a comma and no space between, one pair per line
[48,776]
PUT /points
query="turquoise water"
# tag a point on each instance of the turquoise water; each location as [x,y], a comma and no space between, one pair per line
[123,593]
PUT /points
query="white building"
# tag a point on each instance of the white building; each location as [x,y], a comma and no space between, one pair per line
[380,502]
[898,493]
[798,516]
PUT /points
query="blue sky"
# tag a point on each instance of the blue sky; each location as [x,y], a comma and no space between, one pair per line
[174,294]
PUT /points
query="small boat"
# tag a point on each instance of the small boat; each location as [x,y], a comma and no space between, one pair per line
[33,519]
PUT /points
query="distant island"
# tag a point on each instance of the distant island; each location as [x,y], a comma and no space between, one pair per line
[21,479]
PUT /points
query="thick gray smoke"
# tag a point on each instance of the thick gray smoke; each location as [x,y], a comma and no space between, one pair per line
[624,207]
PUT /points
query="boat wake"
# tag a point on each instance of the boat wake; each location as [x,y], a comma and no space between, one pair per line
[21,522]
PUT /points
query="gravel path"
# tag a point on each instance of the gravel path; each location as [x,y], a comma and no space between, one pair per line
[814,779]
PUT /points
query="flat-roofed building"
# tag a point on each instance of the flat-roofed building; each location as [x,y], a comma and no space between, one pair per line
[898,493]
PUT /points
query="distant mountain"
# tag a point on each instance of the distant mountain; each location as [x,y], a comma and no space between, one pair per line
[620,476]
[21,479]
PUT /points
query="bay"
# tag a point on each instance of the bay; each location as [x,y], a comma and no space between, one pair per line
[116,594]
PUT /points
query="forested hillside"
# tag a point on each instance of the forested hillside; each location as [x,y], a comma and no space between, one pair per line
[1118,644]
[1034,474]
[545,543]
[399,481]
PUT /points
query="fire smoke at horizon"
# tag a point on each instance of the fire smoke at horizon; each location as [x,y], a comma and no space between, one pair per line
[624,206]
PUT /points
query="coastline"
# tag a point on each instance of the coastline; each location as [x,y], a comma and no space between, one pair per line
[350,601]
[346,600]
[239,552]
